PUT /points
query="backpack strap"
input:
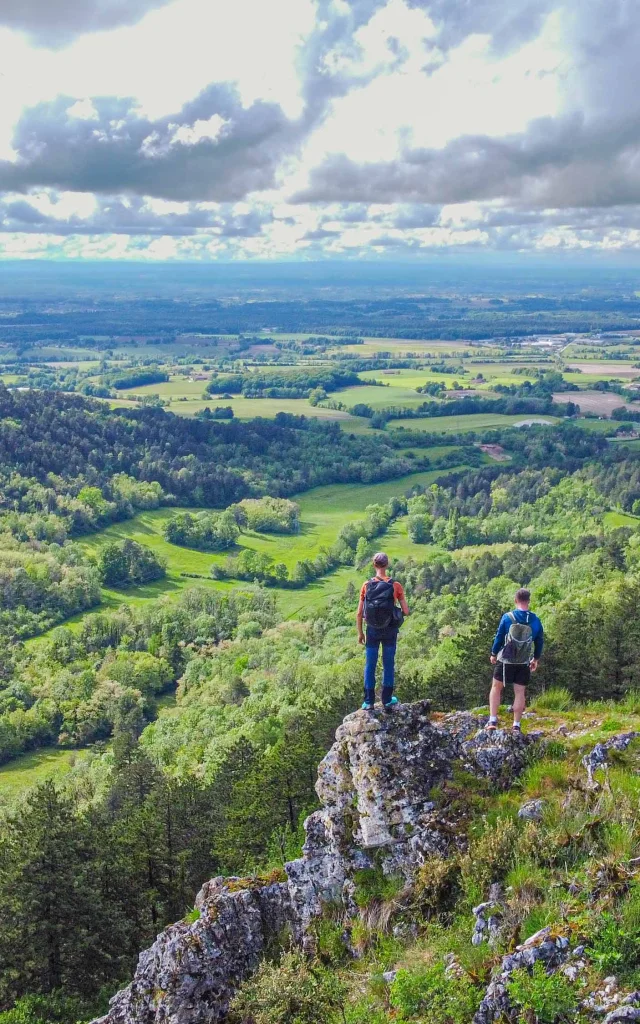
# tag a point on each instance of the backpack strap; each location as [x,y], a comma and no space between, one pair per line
[512,616]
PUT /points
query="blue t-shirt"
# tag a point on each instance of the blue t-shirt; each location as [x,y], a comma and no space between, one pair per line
[523,617]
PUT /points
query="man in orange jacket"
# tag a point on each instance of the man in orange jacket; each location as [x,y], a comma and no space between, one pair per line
[382,606]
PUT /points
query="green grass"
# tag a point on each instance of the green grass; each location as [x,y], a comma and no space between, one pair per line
[597,426]
[381,398]
[455,424]
[323,511]
[613,520]
[30,769]
[414,378]
[400,346]
[633,444]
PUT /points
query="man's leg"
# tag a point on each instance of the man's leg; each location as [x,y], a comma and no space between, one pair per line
[495,698]
[519,701]
[388,670]
[371,660]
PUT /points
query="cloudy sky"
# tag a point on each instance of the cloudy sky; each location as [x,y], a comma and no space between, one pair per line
[209,129]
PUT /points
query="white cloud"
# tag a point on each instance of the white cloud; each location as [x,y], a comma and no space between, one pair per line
[206,129]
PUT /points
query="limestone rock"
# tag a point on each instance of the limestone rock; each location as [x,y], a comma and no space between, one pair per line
[496,1005]
[622,1014]
[500,756]
[192,970]
[531,810]
[599,756]
[374,788]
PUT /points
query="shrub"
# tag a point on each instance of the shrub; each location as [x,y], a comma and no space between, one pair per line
[447,1000]
[551,997]
[206,531]
[296,991]
[489,858]
[267,515]
[616,945]
[127,563]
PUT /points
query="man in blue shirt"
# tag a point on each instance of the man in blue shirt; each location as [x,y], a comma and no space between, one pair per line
[515,654]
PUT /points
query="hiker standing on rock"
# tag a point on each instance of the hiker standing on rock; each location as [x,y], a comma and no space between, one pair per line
[515,654]
[383,607]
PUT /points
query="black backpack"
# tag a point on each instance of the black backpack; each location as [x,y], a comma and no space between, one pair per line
[379,604]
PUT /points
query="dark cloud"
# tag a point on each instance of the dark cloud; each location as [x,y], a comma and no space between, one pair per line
[557,162]
[588,157]
[115,215]
[122,151]
[56,22]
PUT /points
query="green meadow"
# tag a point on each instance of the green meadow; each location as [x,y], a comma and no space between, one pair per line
[33,768]
[456,424]
[323,511]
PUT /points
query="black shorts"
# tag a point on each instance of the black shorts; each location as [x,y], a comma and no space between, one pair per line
[518,674]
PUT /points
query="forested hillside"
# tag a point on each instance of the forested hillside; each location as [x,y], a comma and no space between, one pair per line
[165,798]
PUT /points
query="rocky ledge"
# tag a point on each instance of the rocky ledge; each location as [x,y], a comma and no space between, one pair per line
[374,788]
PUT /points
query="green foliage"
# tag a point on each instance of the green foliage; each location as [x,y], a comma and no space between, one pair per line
[267,515]
[557,698]
[330,941]
[128,564]
[550,996]
[615,946]
[295,991]
[206,531]
[489,858]
[52,1009]
[371,884]
[429,993]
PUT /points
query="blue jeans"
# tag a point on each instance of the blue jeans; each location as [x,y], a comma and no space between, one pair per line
[371,660]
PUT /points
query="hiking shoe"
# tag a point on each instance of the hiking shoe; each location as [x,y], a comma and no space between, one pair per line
[491,727]
[516,728]
[367,706]
[392,703]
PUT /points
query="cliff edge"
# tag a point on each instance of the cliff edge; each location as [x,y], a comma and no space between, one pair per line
[374,787]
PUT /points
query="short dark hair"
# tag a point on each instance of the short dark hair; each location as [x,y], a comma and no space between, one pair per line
[381,559]
[523,595]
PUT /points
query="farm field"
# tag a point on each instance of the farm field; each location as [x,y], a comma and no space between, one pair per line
[409,378]
[601,402]
[399,346]
[597,426]
[247,408]
[455,424]
[185,396]
[603,370]
[380,397]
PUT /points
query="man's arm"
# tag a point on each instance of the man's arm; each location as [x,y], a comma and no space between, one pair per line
[538,644]
[359,619]
[398,592]
[500,637]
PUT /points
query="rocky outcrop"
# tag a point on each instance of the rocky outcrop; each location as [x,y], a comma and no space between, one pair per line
[552,952]
[192,970]
[374,788]
[599,756]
